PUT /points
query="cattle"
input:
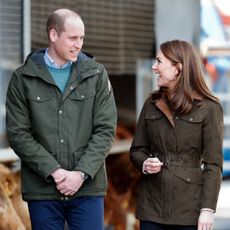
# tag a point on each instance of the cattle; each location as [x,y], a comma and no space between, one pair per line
[122,187]
[14,213]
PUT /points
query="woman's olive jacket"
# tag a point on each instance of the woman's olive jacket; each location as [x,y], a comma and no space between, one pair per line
[190,148]
[49,130]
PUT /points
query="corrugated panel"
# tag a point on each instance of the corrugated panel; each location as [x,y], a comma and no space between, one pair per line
[118,32]
[10,52]
[10,30]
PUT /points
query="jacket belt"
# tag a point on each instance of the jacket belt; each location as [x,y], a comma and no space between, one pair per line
[183,161]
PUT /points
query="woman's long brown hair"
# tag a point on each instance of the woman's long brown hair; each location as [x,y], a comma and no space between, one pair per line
[191,77]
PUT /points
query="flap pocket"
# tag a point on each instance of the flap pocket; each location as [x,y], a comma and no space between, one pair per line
[153,116]
[83,94]
[39,96]
[191,119]
[190,175]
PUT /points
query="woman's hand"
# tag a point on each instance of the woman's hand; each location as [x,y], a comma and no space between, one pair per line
[205,221]
[152,165]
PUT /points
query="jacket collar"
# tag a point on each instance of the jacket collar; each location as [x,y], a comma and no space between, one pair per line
[38,57]
[35,66]
[160,103]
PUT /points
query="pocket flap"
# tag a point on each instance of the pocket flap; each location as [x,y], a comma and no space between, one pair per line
[191,118]
[82,95]
[153,116]
[39,96]
[190,175]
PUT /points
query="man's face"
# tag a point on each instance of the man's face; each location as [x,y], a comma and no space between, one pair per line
[67,46]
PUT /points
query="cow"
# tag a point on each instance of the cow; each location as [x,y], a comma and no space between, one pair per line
[14,213]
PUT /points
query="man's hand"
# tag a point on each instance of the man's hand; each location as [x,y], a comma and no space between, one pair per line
[59,175]
[71,184]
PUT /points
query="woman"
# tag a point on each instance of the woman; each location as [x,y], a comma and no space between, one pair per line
[178,145]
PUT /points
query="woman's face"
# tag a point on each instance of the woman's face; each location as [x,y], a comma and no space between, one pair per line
[166,72]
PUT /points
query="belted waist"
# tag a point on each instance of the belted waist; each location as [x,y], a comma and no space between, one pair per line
[182,161]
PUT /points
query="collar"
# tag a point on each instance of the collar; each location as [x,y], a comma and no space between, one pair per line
[51,63]
[160,103]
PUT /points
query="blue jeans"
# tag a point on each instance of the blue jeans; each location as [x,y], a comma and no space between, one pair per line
[79,214]
[148,225]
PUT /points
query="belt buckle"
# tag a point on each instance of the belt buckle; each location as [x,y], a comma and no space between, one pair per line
[166,162]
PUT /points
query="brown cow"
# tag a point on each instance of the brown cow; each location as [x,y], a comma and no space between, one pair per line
[13,211]
[119,201]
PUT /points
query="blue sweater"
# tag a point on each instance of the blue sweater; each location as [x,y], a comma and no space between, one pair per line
[61,76]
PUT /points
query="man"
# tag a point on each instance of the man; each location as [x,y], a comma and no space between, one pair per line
[61,119]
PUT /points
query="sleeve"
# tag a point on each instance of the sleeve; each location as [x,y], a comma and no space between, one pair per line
[21,139]
[140,147]
[104,126]
[212,155]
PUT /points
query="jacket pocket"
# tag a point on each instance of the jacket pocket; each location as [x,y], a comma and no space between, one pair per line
[42,110]
[154,115]
[40,102]
[190,127]
[75,156]
[187,188]
[82,95]
[190,175]
[81,104]
[155,126]
[192,119]
[39,97]
[187,193]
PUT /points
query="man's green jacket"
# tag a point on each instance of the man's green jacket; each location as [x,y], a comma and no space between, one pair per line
[50,130]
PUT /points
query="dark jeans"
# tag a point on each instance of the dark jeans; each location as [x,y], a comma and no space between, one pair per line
[79,214]
[147,225]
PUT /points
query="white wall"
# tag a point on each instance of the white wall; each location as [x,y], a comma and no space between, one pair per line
[177,19]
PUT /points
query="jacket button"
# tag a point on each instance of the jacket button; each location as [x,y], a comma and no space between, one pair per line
[82,96]
[71,87]
[191,119]
[188,179]
[66,198]
[60,111]
[38,98]
[62,141]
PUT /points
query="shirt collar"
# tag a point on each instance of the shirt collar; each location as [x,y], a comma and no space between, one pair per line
[51,63]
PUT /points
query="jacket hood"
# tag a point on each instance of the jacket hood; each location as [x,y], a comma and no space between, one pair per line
[37,57]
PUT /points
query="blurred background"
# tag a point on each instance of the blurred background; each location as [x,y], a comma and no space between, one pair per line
[124,35]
